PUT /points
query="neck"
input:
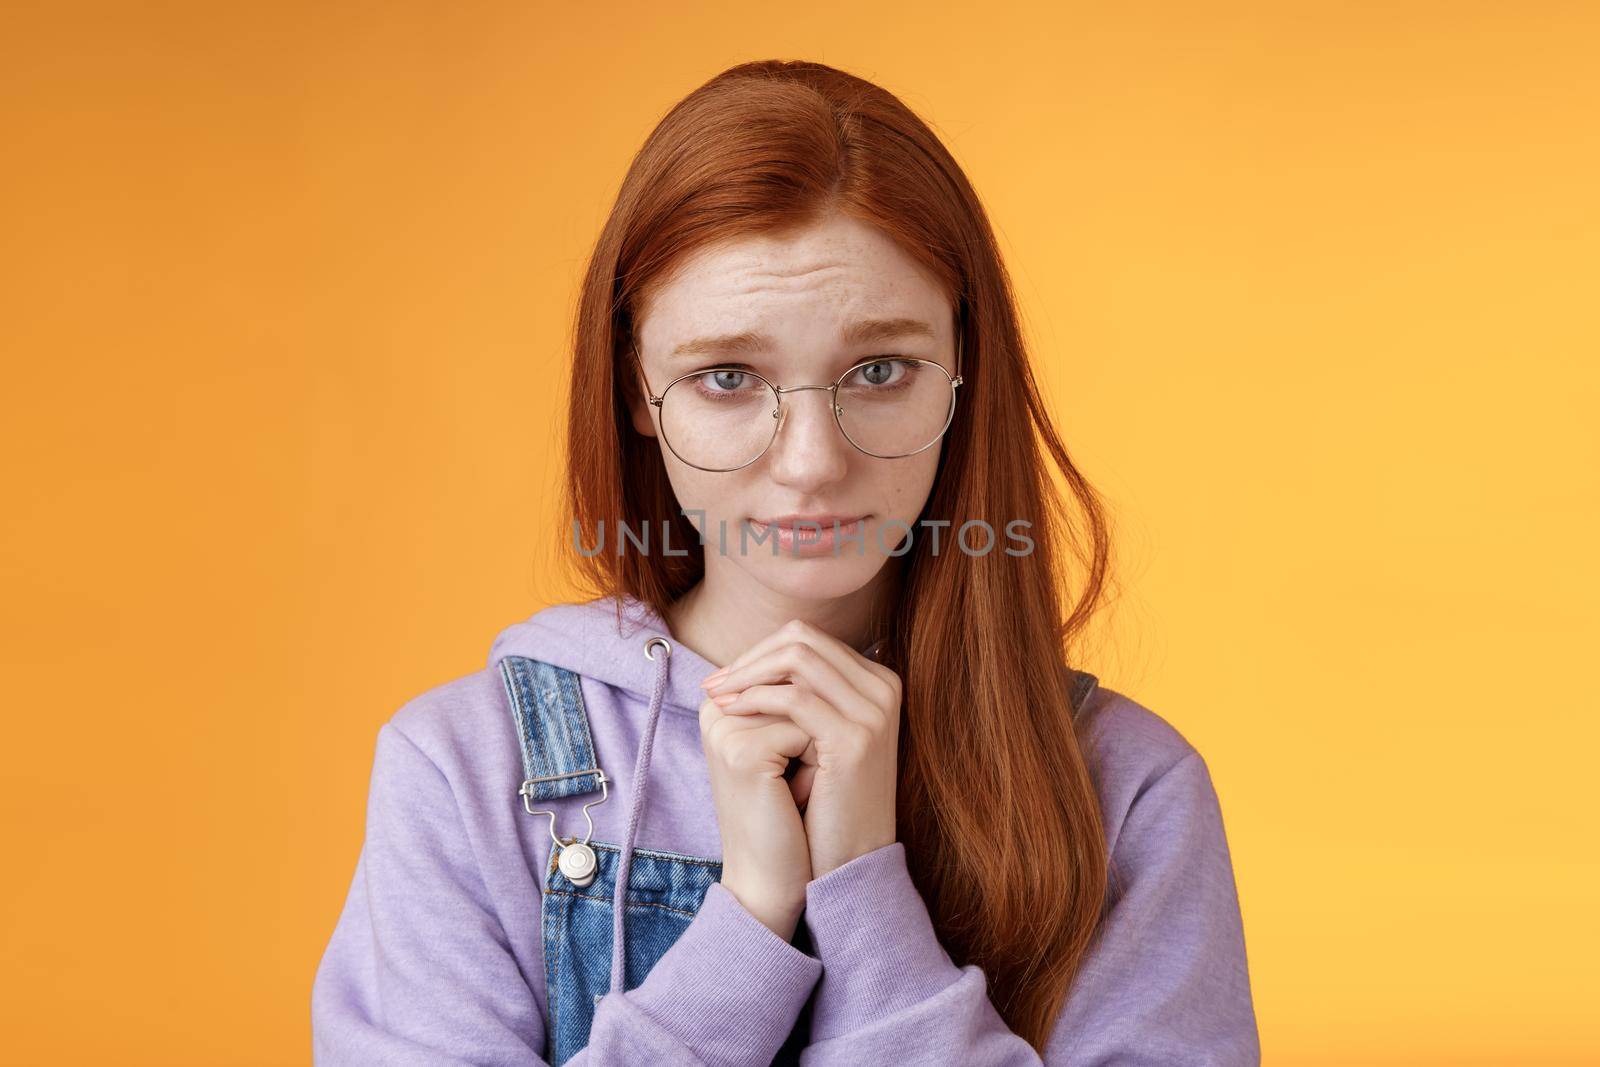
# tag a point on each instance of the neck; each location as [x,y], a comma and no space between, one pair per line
[724,614]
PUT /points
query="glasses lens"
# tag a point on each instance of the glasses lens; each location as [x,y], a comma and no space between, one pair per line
[896,406]
[719,419]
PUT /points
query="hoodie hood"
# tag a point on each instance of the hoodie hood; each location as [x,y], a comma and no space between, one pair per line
[590,640]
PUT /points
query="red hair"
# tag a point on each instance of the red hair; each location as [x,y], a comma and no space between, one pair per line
[996,806]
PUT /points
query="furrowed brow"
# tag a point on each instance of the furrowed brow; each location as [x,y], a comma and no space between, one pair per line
[732,344]
[872,330]
[867,331]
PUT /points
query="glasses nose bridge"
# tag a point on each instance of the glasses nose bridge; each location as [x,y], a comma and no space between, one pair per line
[782,414]
[801,388]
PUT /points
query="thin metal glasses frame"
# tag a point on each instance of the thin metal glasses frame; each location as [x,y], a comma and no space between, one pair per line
[656,399]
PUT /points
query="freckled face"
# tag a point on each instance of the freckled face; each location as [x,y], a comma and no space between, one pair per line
[803,291]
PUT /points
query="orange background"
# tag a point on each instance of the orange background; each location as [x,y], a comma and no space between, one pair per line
[1313,291]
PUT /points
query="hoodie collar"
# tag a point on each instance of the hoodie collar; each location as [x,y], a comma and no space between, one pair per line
[588,639]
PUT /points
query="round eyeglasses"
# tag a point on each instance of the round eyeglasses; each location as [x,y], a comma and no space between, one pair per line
[724,418]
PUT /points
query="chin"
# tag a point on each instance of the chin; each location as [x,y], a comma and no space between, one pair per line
[817,577]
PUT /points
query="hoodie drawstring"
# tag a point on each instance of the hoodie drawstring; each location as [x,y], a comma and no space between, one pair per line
[641,770]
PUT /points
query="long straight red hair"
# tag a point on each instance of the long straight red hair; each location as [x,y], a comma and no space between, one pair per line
[996,805]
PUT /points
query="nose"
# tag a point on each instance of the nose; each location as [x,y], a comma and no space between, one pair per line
[810,451]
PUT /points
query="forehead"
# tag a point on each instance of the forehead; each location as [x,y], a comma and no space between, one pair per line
[826,277]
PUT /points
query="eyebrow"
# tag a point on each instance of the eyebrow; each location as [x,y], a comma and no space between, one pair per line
[866,331]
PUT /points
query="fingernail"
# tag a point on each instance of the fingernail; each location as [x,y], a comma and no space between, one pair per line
[714,678]
[726,698]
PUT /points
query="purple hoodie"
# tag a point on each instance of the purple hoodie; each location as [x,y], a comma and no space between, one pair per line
[437,957]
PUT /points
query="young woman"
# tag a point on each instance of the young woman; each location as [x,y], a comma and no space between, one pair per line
[862,809]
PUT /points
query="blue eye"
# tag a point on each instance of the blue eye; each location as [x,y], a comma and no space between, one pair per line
[725,384]
[884,374]
[877,373]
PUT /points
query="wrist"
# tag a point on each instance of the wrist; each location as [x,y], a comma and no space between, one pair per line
[776,914]
[826,861]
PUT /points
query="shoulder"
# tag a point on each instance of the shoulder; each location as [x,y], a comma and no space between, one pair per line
[1126,737]
[1169,949]
[453,714]
[463,727]
[1139,759]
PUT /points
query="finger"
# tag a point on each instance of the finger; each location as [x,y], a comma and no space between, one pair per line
[800,770]
[709,714]
[711,733]
[811,713]
[715,720]
[801,662]
[877,683]
[845,658]
[766,749]
[749,720]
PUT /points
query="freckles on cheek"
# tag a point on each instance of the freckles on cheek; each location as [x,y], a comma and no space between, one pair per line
[707,499]
[896,499]
[905,491]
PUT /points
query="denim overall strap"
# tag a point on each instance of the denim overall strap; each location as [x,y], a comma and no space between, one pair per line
[1083,683]
[552,729]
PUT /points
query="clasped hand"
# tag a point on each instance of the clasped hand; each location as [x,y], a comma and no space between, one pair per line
[849,707]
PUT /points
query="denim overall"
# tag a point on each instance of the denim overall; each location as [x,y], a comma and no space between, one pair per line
[664,889]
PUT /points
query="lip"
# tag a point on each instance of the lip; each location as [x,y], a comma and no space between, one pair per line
[790,521]
[805,540]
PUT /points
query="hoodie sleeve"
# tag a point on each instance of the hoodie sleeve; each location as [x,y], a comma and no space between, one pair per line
[1165,982]
[419,970]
